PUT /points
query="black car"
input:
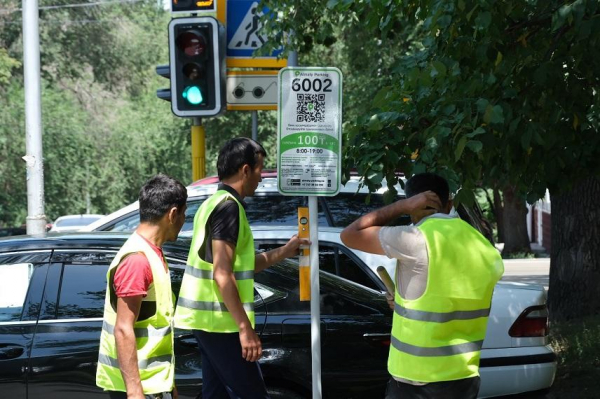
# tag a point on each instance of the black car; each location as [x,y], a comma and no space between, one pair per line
[51,304]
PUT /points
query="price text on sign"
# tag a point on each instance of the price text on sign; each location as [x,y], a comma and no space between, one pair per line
[309,131]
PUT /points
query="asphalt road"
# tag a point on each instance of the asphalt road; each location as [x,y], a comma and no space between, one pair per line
[534,271]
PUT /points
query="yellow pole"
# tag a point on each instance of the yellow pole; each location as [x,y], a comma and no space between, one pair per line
[304,269]
[198,150]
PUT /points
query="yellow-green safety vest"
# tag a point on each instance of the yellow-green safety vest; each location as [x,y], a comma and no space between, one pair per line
[200,305]
[153,334]
[438,336]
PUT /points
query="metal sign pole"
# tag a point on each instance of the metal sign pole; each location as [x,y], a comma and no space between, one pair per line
[315,297]
[315,292]
[255,125]
[36,219]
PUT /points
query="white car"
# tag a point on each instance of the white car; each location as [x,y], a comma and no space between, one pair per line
[516,356]
[267,206]
[73,222]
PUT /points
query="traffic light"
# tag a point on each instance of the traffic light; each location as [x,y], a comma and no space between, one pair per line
[197,66]
[188,6]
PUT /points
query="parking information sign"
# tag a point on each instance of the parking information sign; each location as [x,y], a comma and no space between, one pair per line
[309,131]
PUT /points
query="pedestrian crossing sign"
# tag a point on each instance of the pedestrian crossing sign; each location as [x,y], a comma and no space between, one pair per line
[244,37]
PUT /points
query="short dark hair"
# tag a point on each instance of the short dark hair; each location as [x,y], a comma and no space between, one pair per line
[159,194]
[237,153]
[422,182]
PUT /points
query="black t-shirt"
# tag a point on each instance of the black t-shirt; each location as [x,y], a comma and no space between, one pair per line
[223,223]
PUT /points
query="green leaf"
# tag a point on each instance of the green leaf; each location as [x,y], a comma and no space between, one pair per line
[476,132]
[482,105]
[431,143]
[526,139]
[439,68]
[460,147]
[483,20]
[441,131]
[332,3]
[381,98]
[375,177]
[475,145]
[493,114]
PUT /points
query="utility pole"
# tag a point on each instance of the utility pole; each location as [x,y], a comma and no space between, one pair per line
[36,219]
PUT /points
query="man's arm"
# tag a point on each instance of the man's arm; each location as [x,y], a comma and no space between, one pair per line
[128,309]
[223,274]
[363,233]
[264,260]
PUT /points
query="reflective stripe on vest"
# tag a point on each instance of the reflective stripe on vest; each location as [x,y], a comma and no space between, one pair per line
[154,335]
[200,305]
[438,337]
[145,364]
[208,274]
[437,317]
[141,332]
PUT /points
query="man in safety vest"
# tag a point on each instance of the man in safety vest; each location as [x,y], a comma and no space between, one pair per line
[136,358]
[216,299]
[445,277]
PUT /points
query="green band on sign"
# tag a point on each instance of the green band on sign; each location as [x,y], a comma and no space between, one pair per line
[309,139]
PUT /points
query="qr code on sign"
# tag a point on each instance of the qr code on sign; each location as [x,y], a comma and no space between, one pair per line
[310,108]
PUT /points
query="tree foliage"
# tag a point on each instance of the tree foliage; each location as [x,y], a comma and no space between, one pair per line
[480,91]
[104,130]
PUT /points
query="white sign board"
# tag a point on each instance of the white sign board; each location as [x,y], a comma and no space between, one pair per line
[309,131]
[251,89]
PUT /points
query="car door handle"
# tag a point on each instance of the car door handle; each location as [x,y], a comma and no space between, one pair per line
[378,338]
[10,351]
[187,340]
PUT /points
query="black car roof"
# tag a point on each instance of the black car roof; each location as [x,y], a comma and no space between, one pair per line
[88,240]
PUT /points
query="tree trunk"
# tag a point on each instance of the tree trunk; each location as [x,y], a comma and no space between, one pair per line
[499,213]
[575,252]
[514,219]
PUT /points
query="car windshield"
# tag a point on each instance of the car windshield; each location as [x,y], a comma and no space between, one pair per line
[79,221]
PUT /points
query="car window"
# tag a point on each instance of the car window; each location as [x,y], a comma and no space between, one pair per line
[345,208]
[132,221]
[338,297]
[277,209]
[14,283]
[82,291]
[333,259]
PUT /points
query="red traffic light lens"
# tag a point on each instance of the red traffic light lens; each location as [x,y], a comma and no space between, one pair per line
[192,43]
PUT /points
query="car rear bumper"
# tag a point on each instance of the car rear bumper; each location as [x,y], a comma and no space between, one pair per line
[516,370]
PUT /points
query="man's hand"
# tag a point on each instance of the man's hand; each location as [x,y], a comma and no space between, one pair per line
[426,203]
[291,248]
[251,346]
[390,300]
[175,394]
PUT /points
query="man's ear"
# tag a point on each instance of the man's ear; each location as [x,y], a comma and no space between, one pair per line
[246,170]
[172,214]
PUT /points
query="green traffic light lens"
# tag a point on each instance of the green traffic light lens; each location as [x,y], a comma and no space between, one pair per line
[193,95]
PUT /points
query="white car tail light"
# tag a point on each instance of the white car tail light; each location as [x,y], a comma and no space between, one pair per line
[533,322]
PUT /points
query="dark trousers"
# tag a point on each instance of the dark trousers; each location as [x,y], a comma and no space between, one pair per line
[225,374]
[123,395]
[467,388]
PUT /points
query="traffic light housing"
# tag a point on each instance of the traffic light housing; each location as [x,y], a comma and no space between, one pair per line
[197,66]
[192,6]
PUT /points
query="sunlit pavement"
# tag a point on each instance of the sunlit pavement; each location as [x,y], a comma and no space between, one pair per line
[535,271]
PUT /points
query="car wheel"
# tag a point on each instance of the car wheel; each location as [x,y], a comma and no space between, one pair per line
[283,393]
